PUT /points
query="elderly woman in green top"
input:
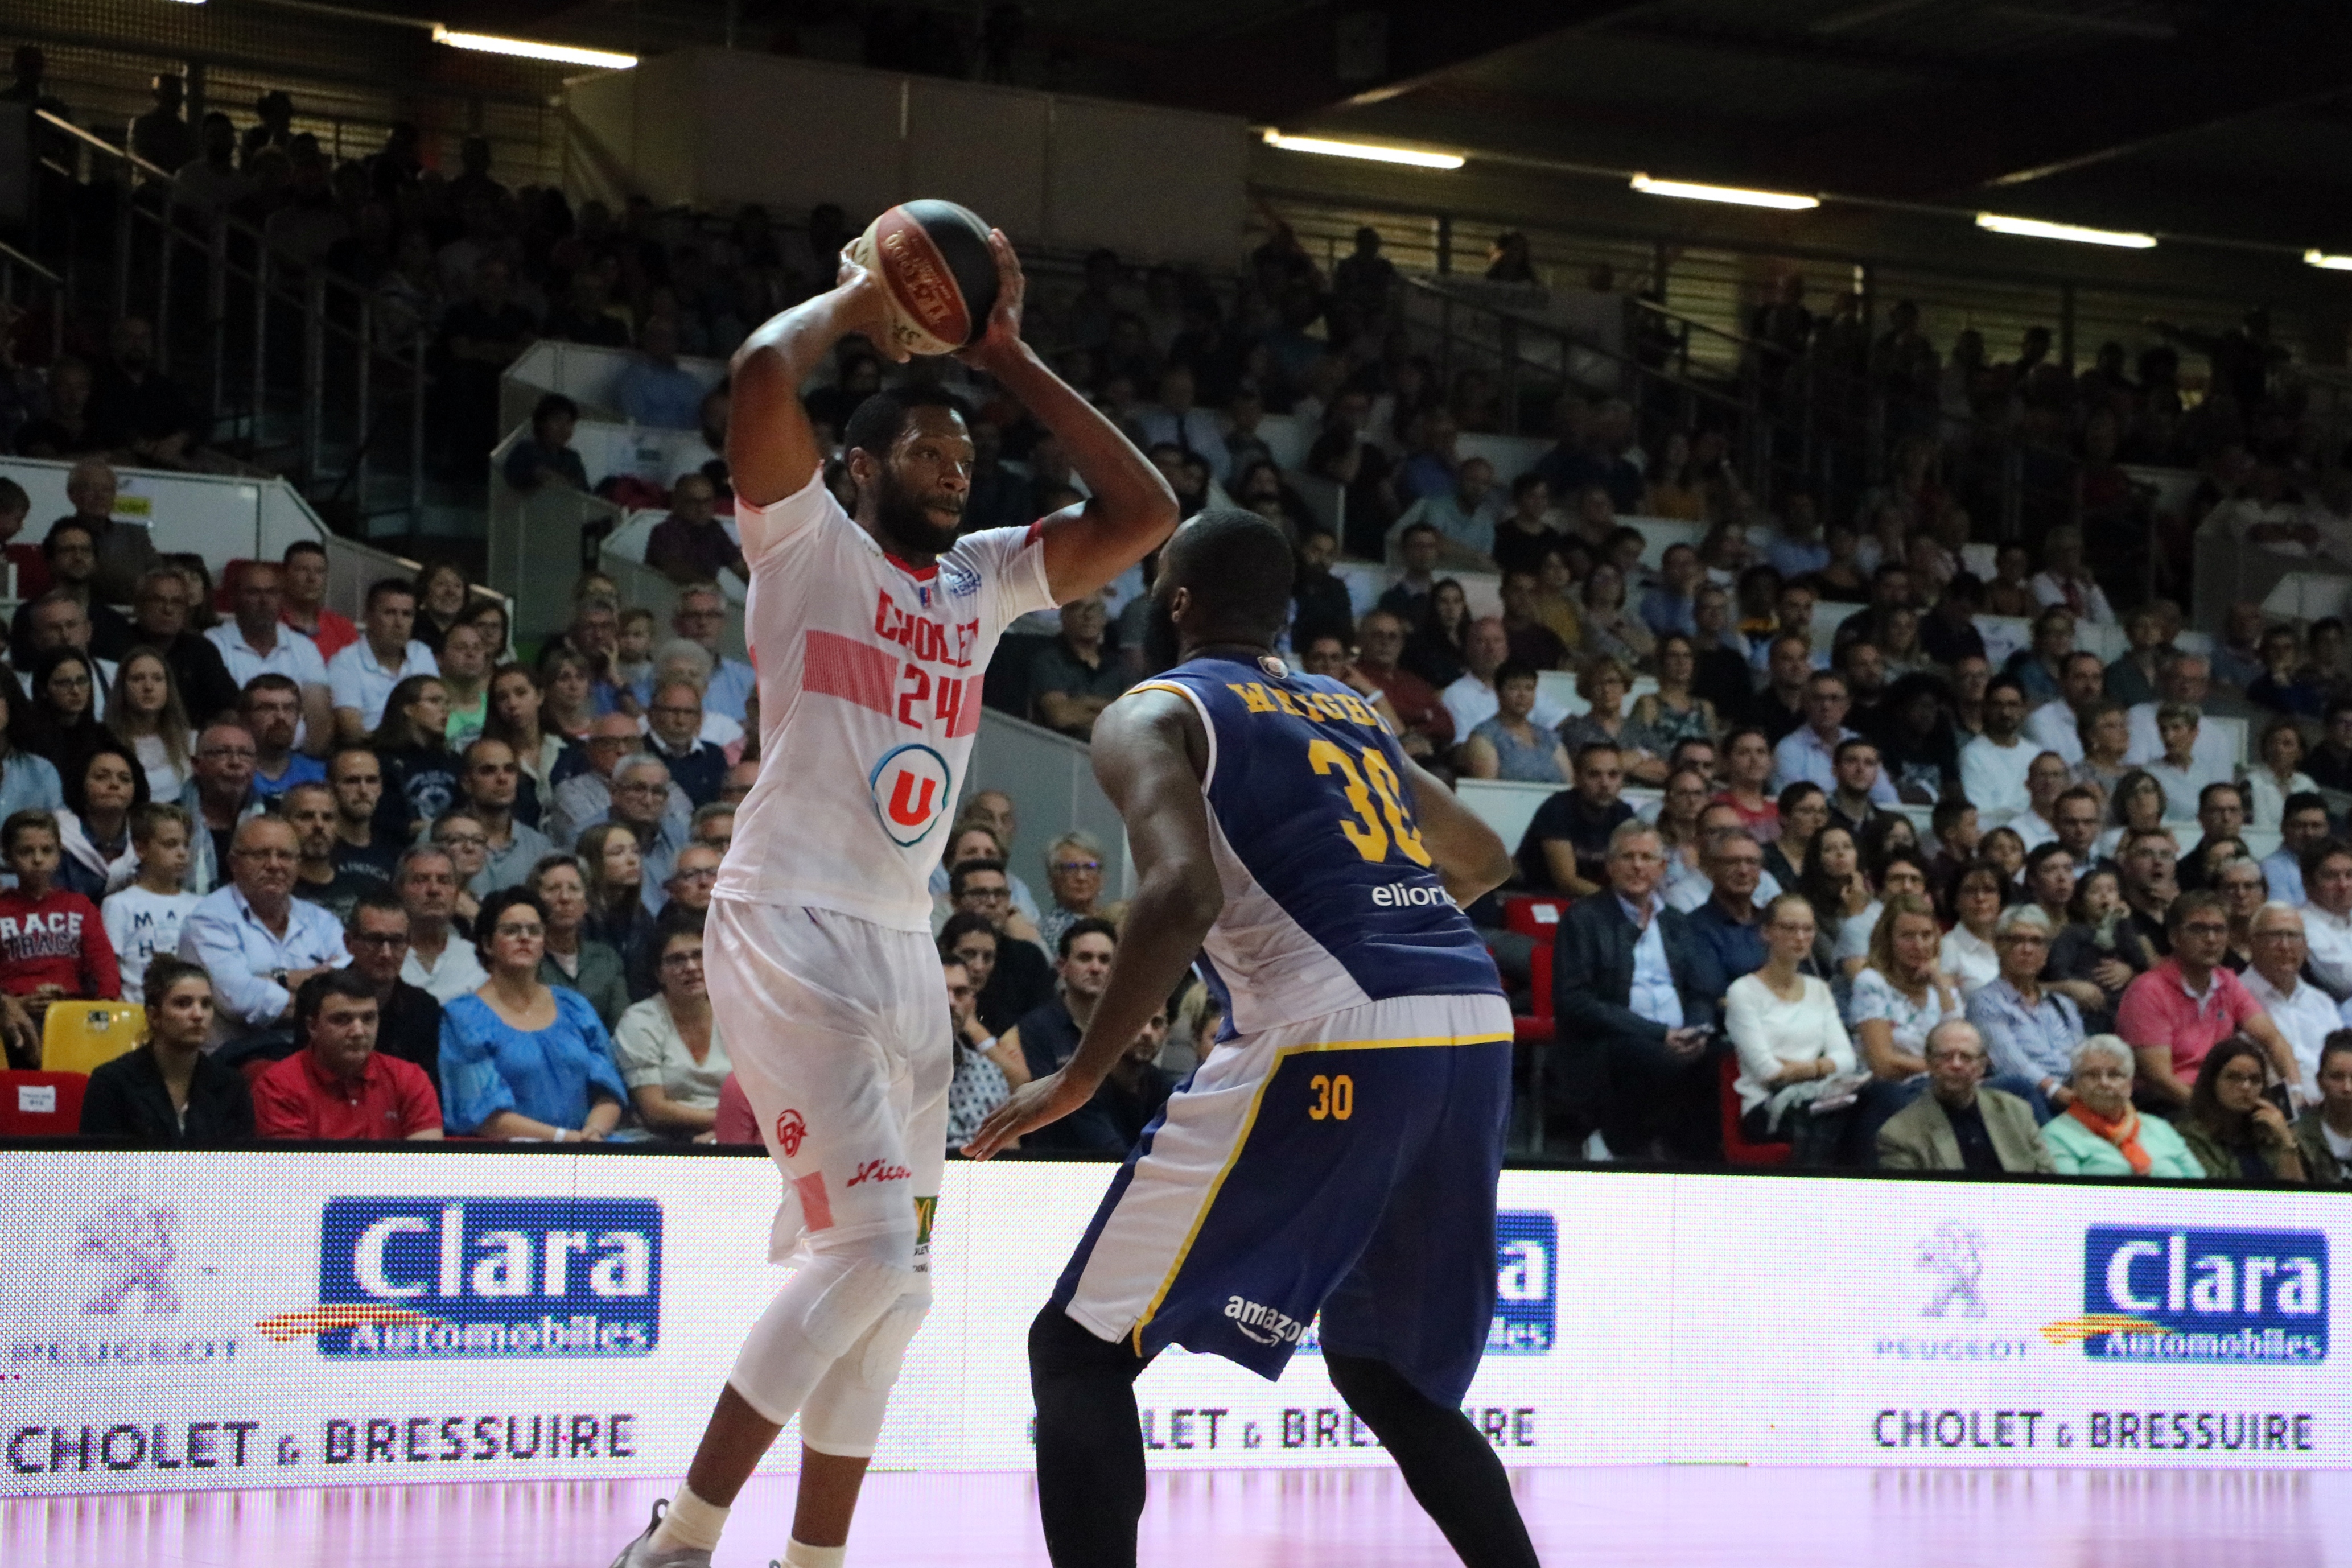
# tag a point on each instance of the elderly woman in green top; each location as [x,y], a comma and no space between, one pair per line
[2099,1134]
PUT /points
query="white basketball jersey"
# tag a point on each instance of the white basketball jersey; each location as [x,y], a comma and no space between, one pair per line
[869,696]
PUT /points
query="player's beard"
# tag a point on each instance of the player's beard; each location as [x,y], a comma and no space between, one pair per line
[905,521]
[1159,645]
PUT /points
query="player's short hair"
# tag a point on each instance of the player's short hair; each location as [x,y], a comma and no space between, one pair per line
[881,419]
[1238,569]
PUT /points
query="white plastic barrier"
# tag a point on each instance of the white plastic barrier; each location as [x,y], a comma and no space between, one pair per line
[402,1316]
[1510,456]
[589,376]
[1052,778]
[1367,580]
[222,518]
[1559,686]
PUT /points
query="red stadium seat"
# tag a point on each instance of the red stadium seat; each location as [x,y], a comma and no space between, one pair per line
[41,1105]
[1739,1149]
[1533,914]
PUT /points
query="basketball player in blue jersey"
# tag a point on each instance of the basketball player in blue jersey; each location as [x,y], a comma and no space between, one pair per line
[1338,1149]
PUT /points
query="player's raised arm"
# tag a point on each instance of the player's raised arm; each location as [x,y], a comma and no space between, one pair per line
[1129,510]
[1149,753]
[771,449]
[1472,860]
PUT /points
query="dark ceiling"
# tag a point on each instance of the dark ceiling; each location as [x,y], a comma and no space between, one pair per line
[2222,118]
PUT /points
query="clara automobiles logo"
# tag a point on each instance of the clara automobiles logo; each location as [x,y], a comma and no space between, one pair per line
[1952,1257]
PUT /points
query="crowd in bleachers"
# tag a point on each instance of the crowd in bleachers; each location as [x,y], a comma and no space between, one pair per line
[1920,898]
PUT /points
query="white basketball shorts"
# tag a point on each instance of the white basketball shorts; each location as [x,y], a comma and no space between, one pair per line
[839,1033]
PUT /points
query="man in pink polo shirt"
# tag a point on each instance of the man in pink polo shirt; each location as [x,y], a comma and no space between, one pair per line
[338,1088]
[2189,1004]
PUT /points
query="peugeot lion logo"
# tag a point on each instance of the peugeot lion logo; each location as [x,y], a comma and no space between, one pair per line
[1953,1256]
[139,1243]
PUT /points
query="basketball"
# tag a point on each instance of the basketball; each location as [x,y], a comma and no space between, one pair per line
[936,268]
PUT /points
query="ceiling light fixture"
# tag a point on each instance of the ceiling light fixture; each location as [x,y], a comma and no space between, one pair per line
[532,49]
[1782,200]
[2331,263]
[2034,228]
[1364,150]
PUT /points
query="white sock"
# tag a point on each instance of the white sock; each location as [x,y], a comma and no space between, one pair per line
[801,1554]
[690,1522]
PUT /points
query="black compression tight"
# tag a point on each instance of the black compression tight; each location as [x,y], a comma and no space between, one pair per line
[1090,1451]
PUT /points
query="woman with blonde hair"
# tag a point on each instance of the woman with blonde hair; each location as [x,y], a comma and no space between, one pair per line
[145,713]
[1610,629]
[1901,993]
[1604,680]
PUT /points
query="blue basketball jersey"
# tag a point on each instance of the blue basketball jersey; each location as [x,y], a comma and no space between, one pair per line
[1331,898]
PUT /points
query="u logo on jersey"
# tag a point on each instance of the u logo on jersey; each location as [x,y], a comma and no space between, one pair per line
[910,787]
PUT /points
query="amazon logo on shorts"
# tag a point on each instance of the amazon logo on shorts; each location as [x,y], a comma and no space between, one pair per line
[912,792]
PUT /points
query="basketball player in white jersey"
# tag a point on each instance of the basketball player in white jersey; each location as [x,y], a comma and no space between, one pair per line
[871,633]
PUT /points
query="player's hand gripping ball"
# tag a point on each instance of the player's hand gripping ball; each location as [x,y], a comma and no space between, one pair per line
[939,278]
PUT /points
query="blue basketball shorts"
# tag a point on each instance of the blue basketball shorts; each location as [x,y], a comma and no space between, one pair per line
[1345,1165]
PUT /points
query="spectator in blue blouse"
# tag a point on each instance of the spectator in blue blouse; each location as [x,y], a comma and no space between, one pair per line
[2030,1030]
[521,1058]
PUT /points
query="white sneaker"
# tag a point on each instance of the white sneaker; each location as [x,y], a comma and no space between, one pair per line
[640,1553]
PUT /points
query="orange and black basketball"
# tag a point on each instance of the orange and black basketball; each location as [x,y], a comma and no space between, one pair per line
[934,263]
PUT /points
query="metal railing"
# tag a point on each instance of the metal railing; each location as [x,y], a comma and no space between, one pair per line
[1792,420]
[301,369]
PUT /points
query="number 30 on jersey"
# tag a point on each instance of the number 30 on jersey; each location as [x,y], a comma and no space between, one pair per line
[1370,831]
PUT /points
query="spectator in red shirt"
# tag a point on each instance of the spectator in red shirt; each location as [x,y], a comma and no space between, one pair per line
[52,943]
[338,1088]
[1428,723]
[2180,1010]
[305,589]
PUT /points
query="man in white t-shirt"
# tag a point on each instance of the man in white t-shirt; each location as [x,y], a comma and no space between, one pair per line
[2056,724]
[873,633]
[1471,699]
[257,643]
[1994,765]
[361,677]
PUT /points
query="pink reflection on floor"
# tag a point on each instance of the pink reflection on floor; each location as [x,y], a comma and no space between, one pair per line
[1658,1517]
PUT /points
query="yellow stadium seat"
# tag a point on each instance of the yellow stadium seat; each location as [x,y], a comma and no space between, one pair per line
[78,1036]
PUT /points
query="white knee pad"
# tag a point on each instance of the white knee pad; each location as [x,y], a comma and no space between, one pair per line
[822,1311]
[843,1415]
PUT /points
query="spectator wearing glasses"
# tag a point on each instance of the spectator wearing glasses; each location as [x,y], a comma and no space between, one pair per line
[169,1089]
[693,876]
[420,776]
[521,1058]
[339,1087]
[408,1021]
[1022,979]
[573,957]
[258,941]
[1630,984]
[271,709]
[458,834]
[585,798]
[701,617]
[1960,1124]
[160,621]
[1073,873]
[2030,1030]
[219,795]
[2303,1013]
[2177,1013]
[2099,1132]
[667,1047]
[673,735]
[440,960]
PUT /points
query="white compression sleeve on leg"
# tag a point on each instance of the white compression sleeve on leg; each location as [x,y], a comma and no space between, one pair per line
[801,1554]
[843,1415]
[821,1313]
